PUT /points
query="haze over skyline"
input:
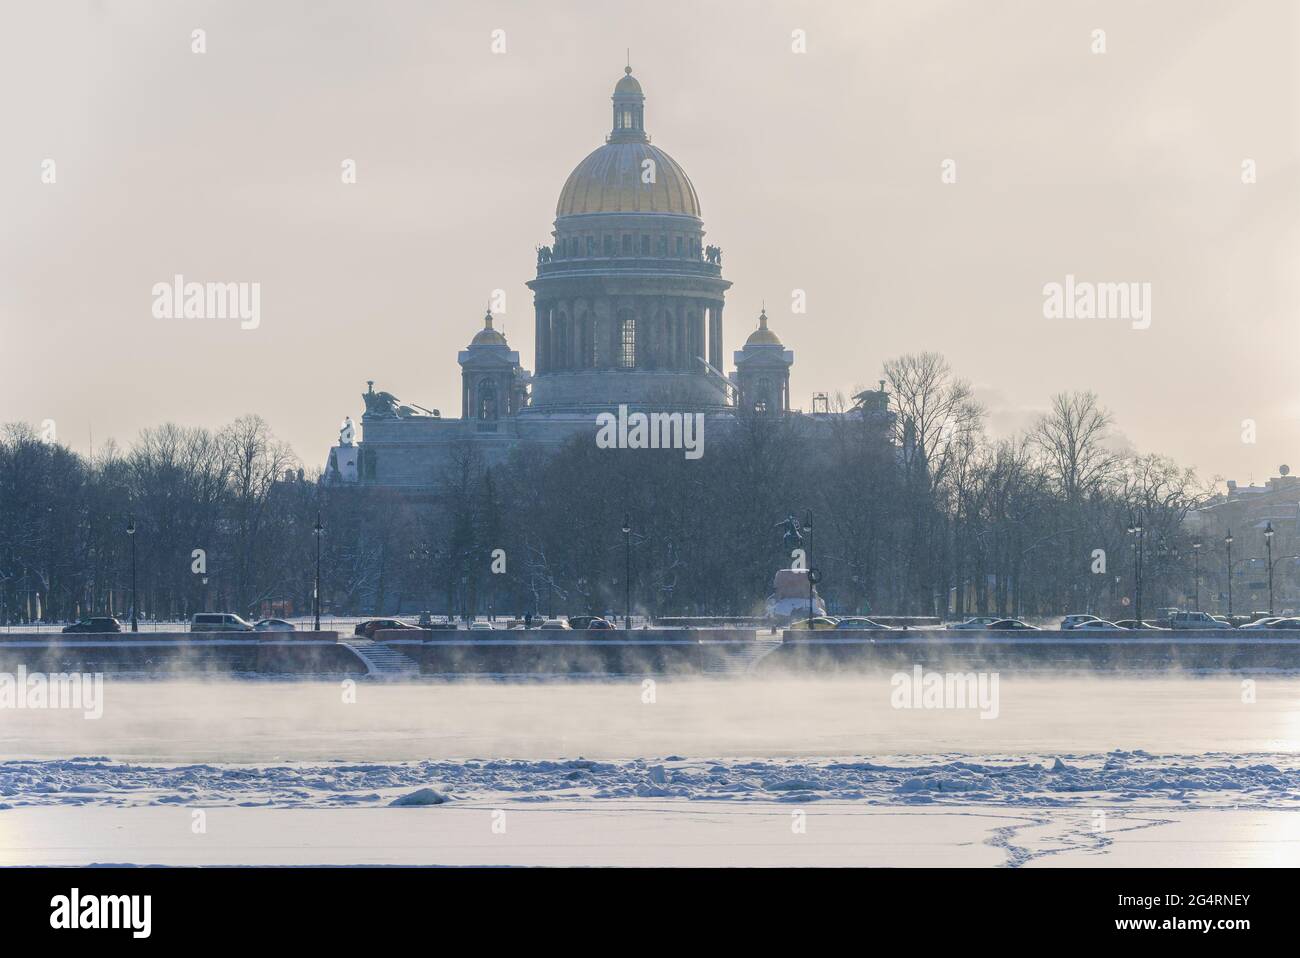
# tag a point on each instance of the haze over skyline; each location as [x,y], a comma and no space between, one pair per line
[818,171]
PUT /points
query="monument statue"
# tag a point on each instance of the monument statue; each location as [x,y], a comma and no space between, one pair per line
[347,433]
[793,537]
[384,405]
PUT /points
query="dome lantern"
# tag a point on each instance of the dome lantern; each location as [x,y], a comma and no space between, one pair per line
[629,111]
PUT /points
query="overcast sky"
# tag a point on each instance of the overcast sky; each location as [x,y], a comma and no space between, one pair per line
[818,171]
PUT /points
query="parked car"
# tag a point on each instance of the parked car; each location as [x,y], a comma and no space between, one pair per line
[1196,620]
[977,622]
[274,625]
[859,622]
[219,622]
[1284,624]
[1096,624]
[1263,623]
[1134,625]
[369,627]
[1012,625]
[1074,621]
[554,624]
[817,623]
[598,624]
[481,626]
[97,625]
[580,621]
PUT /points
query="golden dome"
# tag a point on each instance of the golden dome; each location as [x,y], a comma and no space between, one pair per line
[487,336]
[609,181]
[762,336]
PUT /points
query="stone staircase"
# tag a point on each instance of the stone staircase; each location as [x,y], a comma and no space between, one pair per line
[741,657]
[382,661]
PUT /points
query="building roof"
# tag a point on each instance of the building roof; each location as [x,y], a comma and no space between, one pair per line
[610,178]
[763,336]
[487,336]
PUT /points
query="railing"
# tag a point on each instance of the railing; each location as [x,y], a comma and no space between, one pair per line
[654,264]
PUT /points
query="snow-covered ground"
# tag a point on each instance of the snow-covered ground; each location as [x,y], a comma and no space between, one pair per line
[1074,770]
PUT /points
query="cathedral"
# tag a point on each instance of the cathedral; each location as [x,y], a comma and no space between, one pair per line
[628,302]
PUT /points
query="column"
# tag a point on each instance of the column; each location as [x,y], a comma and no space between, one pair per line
[539,337]
[715,336]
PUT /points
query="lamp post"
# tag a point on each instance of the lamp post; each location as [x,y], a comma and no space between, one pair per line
[130,534]
[317,530]
[1268,544]
[1196,565]
[1227,541]
[1135,530]
[627,572]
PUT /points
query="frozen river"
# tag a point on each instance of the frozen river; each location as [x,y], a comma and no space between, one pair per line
[1072,770]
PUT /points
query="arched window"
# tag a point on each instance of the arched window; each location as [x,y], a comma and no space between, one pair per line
[627,340]
[487,399]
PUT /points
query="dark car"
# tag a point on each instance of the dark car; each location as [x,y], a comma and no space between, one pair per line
[581,621]
[1012,625]
[369,627]
[596,623]
[97,625]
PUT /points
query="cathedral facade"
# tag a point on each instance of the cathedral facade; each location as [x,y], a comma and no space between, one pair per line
[628,311]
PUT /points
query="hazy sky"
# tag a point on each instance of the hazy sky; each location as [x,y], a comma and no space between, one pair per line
[817,171]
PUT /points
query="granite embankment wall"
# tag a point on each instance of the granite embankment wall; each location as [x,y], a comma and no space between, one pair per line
[572,652]
[841,651]
[315,653]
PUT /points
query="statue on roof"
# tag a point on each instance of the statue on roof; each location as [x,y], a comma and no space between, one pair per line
[384,405]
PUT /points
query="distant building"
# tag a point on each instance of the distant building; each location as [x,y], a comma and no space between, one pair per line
[628,304]
[1246,512]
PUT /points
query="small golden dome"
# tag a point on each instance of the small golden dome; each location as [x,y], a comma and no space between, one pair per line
[487,336]
[762,336]
[627,85]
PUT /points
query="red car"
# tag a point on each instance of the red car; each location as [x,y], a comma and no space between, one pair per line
[369,627]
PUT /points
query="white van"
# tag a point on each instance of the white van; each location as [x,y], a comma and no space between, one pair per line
[219,622]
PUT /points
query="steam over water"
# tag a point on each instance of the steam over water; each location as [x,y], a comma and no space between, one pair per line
[262,721]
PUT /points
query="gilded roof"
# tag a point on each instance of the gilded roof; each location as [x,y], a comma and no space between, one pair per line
[487,336]
[763,336]
[609,181]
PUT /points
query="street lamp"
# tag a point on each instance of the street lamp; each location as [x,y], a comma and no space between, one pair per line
[1196,564]
[627,572]
[1135,530]
[1268,544]
[1227,541]
[130,534]
[317,530]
